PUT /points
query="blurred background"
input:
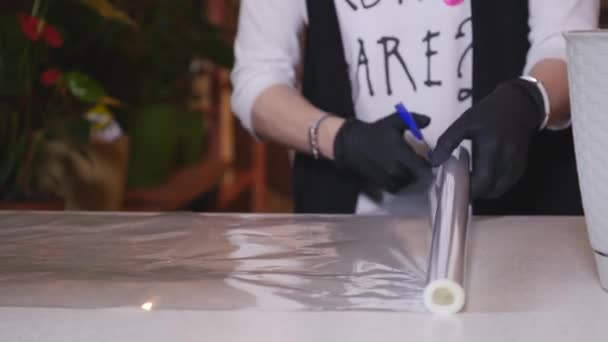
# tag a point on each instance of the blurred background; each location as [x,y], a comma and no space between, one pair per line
[125,105]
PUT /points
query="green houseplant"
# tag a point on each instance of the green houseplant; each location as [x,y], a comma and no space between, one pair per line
[41,99]
[69,52]
[169,35]
[146,64]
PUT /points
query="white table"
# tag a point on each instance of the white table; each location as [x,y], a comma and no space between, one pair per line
[530,279]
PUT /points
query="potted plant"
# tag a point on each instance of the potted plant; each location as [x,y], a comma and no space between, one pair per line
[57,130]
[60,130]
[168,36]
[147,65]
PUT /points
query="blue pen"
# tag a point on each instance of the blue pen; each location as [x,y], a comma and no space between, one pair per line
[422,147]
[409,121]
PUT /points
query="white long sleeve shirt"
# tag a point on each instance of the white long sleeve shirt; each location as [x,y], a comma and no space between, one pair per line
[414,52]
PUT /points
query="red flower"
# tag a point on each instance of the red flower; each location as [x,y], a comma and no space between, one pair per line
[52,37]
[30,26]
[50,77]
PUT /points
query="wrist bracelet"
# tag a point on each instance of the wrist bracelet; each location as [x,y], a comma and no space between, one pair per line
[313,136]
[545,95]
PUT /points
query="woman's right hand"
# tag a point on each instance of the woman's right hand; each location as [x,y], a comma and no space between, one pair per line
[379,153]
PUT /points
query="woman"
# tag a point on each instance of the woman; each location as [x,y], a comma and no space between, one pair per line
[459,62]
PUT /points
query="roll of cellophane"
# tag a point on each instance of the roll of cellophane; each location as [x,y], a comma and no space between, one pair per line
[450,209]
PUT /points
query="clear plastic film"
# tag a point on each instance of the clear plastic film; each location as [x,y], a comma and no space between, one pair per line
[213,262]
[241,262]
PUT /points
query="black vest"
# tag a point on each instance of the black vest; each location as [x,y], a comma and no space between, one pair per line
[500,45]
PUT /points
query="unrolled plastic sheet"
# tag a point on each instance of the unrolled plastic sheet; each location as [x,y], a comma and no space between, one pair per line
[213,262]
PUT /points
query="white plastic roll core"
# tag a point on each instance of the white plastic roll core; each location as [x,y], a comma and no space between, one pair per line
[444,297]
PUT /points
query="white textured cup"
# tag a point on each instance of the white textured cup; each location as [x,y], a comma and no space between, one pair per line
[588,77]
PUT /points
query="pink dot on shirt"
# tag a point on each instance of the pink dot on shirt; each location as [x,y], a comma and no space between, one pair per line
[453,2]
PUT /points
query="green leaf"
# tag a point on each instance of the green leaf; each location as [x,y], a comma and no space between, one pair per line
[191,136]
[14,130]
[108,10]
[14,147]
[37,155]
[83,87]
[152,145]
[12,45]
[6,122]
[78,131]
[16,154]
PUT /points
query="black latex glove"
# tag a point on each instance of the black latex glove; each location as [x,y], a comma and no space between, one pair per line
[378,152]
[500,127]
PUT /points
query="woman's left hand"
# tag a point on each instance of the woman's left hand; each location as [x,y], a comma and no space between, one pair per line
[500,127]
